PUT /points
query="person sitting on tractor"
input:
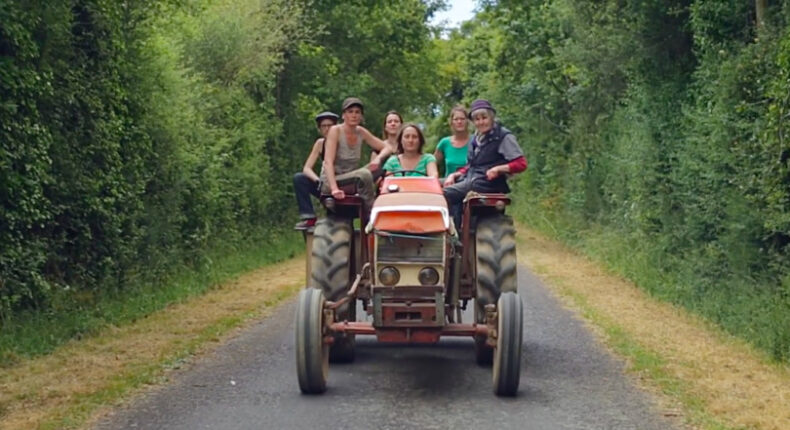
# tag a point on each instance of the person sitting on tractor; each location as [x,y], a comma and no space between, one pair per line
[306,181]
[393,122]
[410,158]
[493,154]
[451,150]
[342,155]
[392,125]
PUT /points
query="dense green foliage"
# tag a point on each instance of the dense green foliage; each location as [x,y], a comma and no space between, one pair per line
[655,132]
[378,51]
[126,152]
[141,139]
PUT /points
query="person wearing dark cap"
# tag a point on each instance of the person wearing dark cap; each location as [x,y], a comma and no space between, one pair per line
[493,154]
[306,181]
[343,152]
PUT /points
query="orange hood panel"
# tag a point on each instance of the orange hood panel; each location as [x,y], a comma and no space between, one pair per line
[410,184]
[412,212]
[412,222]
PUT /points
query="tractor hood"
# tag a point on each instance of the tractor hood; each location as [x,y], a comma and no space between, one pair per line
[411,212]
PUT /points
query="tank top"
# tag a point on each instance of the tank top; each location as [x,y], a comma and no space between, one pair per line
[346,157]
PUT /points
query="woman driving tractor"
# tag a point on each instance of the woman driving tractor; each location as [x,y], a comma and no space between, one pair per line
[410,159]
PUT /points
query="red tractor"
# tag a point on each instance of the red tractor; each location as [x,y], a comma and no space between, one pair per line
[413,274]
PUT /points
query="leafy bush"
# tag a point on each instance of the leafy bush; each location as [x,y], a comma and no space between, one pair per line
[655,134]
[142,139]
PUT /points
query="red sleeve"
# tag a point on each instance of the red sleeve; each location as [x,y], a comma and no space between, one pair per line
[518,165]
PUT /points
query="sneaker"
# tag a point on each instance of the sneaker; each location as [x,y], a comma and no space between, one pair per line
[305,224]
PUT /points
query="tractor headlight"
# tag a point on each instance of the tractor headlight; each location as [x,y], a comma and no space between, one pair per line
[389,276]
[428,276]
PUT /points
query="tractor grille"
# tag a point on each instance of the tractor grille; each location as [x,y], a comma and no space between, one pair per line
[396,248]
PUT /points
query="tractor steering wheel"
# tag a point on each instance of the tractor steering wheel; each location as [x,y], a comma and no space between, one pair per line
[403,172]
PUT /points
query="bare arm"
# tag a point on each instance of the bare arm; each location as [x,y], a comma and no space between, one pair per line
[439,156]
[432,170]
[330,152]
[311,159]
[374,142]
[377,144]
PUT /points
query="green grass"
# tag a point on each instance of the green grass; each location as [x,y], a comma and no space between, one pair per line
[649,364]
[757,310]
[748,308]
[33,334]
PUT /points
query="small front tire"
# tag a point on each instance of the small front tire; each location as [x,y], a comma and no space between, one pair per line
[507,355]
[312,353]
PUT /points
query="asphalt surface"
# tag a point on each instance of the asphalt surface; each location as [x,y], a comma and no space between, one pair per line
[568,381]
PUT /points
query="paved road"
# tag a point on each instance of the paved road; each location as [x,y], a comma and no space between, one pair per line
[568,382]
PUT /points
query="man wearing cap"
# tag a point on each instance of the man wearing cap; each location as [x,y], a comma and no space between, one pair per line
[493,153]
[343,153]
[306,181]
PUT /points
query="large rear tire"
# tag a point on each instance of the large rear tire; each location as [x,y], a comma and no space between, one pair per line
[330,265]
[495,250]
[312,353]
[507,356]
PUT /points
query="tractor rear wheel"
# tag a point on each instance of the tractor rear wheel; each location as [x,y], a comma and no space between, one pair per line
[495,250]
[312,353]
[507,356]
[330,264]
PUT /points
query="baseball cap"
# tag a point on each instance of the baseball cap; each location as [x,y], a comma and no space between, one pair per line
[326,115]
[352,101]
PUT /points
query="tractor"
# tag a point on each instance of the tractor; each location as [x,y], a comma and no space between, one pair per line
[414,273]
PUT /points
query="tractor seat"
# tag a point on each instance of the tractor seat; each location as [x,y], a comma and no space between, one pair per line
[352,197]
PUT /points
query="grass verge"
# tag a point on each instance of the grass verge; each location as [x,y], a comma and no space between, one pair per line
[717,380]
[747,298]
[67,388]
[648,364]
[34,334]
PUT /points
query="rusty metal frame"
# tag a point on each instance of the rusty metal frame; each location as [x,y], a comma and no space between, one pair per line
[416,334]
[429,303]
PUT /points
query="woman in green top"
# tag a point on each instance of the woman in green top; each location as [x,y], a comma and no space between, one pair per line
[410,156]
[451,151]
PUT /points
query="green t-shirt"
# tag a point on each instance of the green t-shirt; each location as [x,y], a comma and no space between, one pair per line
[454,158]
[393,164]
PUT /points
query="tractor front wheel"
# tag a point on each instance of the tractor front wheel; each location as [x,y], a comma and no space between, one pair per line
[507,355]
[312,353]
